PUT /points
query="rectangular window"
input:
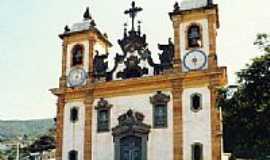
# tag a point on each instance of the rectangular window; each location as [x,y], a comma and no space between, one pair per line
[103,120]
[73,155]
[197,151]
[160,116]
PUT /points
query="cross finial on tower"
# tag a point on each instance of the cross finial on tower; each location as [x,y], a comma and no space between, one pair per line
[132,12]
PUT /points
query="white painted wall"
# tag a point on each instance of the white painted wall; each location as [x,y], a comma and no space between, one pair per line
[160,143]
[73,133]
[197,125]
[183,39]
[100,48]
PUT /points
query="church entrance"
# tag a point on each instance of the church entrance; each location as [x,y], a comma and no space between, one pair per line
[130,137]
[131,148]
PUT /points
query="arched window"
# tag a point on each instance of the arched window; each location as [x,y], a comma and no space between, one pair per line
[74,114]
[194,36]
[77,55]
[197,151]
[73,155]
[196,102]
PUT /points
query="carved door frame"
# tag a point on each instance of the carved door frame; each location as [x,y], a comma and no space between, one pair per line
[130,124]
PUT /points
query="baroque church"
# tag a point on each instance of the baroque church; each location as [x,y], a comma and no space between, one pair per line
[140,109]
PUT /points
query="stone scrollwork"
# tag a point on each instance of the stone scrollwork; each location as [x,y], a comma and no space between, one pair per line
[100,66]
[131,123]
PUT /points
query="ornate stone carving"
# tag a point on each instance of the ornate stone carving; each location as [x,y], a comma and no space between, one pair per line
[160,98]
[100,66]
[131,123]
[167,56]
[132,68]
[103,104]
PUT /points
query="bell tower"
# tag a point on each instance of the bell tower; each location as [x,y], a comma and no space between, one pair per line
[81,43]
[195,24]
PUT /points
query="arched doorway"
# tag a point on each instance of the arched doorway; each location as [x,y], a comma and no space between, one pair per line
[130,137]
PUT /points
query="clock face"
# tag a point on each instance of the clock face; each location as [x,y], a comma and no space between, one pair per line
[76,77]
[195,60]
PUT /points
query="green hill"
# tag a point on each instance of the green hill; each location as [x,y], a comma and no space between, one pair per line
[31,128]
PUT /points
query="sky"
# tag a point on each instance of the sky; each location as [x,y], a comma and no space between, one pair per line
[30,50]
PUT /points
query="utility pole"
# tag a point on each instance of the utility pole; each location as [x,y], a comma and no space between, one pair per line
[18,151]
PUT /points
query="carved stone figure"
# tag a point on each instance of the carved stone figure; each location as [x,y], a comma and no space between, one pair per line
[100,66]
[166,57]
[132,69]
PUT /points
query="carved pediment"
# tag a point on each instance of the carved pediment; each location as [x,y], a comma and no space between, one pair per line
[131,123]
[160,98]
[103,104]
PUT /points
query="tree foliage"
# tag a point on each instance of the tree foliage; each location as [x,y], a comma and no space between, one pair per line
[246,113]
[44,143]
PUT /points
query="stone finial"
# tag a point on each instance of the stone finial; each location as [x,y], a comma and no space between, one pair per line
[67,29]
[93,23]
[87,15]
[139,27]
[176,7]
[209,2]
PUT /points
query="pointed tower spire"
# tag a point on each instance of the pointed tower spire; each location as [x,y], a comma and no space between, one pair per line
[87,15]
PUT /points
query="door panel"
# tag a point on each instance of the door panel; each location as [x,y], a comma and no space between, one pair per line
[131,148]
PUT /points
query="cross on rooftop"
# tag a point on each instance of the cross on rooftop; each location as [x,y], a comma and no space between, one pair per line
[133,12]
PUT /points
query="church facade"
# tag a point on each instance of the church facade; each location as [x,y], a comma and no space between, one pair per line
[140,109]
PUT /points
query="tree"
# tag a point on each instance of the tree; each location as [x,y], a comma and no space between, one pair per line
[246,113]
[44,143]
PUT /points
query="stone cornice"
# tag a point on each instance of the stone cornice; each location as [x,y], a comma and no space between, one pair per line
[146,84]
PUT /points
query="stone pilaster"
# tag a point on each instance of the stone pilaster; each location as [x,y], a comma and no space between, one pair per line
[212,58]
[59,127]
[215,125]
[177,52]
[177,120]
[91,54]
[88,127]
[63,78]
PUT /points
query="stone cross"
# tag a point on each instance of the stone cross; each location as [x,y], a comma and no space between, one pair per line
[133,12]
